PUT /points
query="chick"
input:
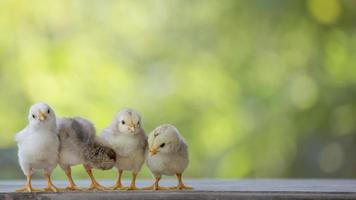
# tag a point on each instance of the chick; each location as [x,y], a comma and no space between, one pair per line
[80,145]
[127,137]
[38,145]
[168,155]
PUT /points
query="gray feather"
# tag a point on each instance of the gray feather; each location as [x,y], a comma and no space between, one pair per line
[77,135]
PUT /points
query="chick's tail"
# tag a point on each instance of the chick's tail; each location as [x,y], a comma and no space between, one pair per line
[100,155]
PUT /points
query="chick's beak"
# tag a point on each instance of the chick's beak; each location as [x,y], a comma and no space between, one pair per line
[132,128]
[42,116]
[153,151]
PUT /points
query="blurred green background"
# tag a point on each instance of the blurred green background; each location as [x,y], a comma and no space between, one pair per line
[257,88]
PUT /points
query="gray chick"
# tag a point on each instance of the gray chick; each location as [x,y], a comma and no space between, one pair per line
[80,145]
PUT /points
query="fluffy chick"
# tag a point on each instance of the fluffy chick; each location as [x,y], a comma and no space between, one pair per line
[126,135]
[80,145]
[168,155]
[38,145]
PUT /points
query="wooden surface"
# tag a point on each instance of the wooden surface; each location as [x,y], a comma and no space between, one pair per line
[204,189]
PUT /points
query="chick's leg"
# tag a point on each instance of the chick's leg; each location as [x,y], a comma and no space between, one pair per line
[94,184]
[50,186]
[118,184]
[72,185]
[133,183]
[155,186]
[180,185]
[28,186]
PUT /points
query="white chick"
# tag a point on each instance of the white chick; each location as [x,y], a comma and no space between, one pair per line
[168,155]
[127,137]
[80,145]
[38,145]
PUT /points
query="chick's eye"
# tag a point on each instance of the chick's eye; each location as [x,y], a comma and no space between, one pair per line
[162,145]
[48,111]
[122,122]
[33,116]
[138,123]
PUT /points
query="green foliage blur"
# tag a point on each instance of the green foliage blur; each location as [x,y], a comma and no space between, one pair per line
[257,88]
